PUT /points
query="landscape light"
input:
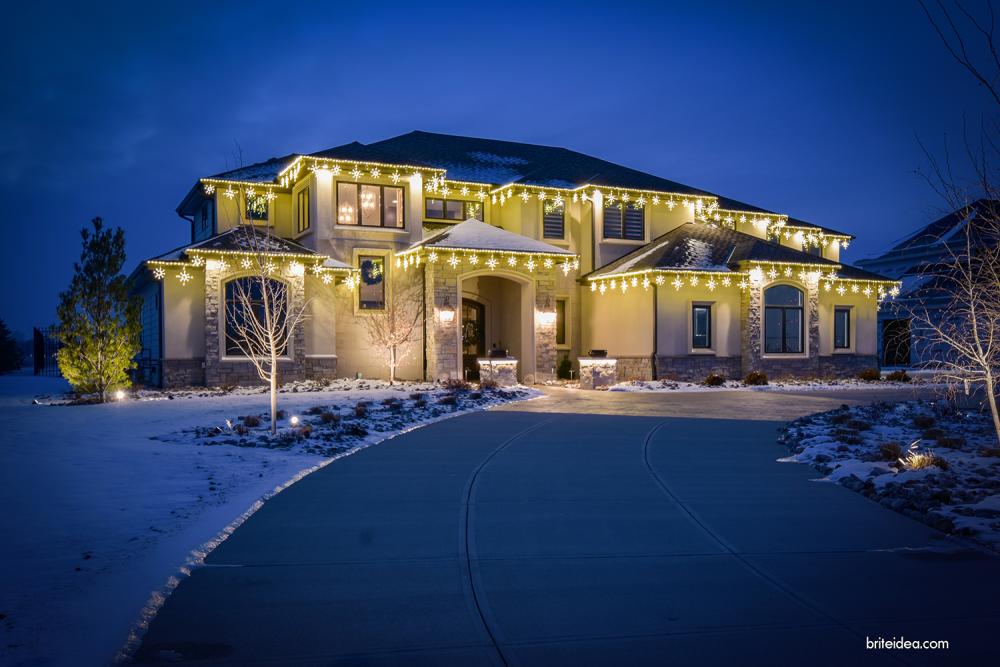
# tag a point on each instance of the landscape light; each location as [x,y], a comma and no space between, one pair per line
[119,395]
[294,421]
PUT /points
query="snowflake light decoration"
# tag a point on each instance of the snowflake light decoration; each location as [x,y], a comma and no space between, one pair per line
[159,273]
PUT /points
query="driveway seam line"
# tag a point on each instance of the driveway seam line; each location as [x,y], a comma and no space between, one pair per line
[465,545]
[773,582]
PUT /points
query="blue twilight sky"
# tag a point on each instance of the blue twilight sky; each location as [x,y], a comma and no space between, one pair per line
[811,109]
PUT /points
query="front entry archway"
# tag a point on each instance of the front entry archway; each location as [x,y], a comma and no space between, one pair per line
[473,337]
[497,310]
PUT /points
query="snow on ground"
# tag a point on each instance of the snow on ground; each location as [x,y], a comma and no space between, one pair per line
[777,385]
[929,460]
[102,503]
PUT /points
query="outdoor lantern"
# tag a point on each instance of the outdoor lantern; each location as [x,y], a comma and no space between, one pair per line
[547,316]
[446,313]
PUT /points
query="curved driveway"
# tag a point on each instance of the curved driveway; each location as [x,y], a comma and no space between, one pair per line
[539,535]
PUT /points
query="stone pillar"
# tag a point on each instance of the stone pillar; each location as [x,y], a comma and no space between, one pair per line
[751,315]
[213,321]
[440,291]
[597,372]
[545,326]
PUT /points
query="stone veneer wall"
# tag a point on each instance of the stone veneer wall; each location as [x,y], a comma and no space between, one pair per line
[219,371]
[751,333]
[183,373]
[441,286]
[634,368]
[846,365]
[696,367]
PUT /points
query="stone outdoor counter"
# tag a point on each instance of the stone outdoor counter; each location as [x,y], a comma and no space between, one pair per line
[596,372]
[502,370]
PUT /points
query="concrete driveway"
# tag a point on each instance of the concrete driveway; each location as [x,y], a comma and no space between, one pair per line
[540,535]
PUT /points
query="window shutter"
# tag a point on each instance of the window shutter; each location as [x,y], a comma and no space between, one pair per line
[635,223]
[553,223]
[612,222]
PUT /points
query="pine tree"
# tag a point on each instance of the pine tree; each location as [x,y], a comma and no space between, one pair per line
[98,319]
[10,351]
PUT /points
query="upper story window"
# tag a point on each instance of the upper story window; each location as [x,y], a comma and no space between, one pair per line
[784,325]
[256,206]
[205,220]
[624,221]
[841,328]
[814,250]
[302,211]
[452,209]
[369,205]
[371,291]
[553,220]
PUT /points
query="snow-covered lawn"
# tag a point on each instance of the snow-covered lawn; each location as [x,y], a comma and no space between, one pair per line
[103,503]
[777,385]
[928,460]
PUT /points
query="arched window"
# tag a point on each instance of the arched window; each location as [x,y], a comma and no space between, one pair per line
[245,300]
[784,325]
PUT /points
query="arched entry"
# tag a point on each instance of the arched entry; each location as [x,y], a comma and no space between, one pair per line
[502,306]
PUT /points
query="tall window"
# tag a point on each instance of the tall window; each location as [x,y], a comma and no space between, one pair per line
[625,221]
[369,205]
[256,206]
[452,209]
[302,211]
[701,327]
[553,220]
[240,309]
[841,328]
[784,325]
[560,321]
[371,293]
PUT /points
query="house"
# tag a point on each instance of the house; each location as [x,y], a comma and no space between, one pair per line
[920,261]
[528,253]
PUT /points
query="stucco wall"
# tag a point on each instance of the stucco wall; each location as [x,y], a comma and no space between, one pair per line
[184,316]
[620,323]
[674,319]
[864,322]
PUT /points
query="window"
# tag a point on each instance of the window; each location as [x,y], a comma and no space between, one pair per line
[625,221]
[701,327]
[553,220]
[452,209]
[783,322]
[302,211]
[369,205]
[256,206]
[814,250]
[560,321]
[841,328]
[245,299]
[371,293]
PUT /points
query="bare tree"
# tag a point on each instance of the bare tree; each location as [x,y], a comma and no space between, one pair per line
[262,316]
[397,326]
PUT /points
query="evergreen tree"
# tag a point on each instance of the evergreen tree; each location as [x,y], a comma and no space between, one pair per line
[10,350]
[98,320]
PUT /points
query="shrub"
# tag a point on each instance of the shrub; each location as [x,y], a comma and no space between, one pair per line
[923,421]
[476,395]
[489,384]
[932,434]
[315,410]
[448,399]
[305,430]
[859,425]
[564,368]
[890,451]
[921,460]
[897,376]
[755,378]
[456,384]
[420,403]
[870,375]
[328,417]
[840,418]
[251,421]
[280,414]
[355,430]
[990,451]
[714,380]
[240,429]
[361,410]
[416,396]
[951,442]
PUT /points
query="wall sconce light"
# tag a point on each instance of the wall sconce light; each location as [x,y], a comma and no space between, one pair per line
[446,313]
[547,316]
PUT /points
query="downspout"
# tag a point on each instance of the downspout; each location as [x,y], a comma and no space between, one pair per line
[656,326]
[190,222]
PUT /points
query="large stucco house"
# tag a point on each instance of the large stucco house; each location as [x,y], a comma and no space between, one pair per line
[544,252]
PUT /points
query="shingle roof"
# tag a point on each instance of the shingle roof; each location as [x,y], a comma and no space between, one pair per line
[261,172]
[235,240]
[942,229]
[475,235]
[700,247]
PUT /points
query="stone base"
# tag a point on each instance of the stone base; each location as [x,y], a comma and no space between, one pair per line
[778,368]
[634,368]
[696,367]
[179,373]
[501,371]
[846,365]
[596,372]
[243,373]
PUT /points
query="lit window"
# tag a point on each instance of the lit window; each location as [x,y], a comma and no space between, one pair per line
[842,328]
[371,292]
[784,326]
[625,221]
[452,209]
[701,327]
[256,206]
[302,212]
[245,299]
[369,205]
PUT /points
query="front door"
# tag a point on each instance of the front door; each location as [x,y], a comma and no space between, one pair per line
[473,337]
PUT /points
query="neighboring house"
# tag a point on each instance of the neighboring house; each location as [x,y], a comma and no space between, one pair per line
[920,262]
[543,252]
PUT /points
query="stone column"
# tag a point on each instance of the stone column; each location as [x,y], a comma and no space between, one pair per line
[545,326]
[440,291]
[213,280]
[751,314]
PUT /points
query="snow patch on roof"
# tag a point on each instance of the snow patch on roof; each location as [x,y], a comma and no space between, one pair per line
[475,235]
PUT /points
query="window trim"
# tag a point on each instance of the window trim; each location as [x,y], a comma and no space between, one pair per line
[301,229]
[562,223]
[356,256]
[702,349]
[465,209]
[622,239]
[224,318]
[784,352]
[266,220]
[567,321]
[850,333]
[381,208]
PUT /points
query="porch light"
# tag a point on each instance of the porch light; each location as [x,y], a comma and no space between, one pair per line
[547,316]
[446,313]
